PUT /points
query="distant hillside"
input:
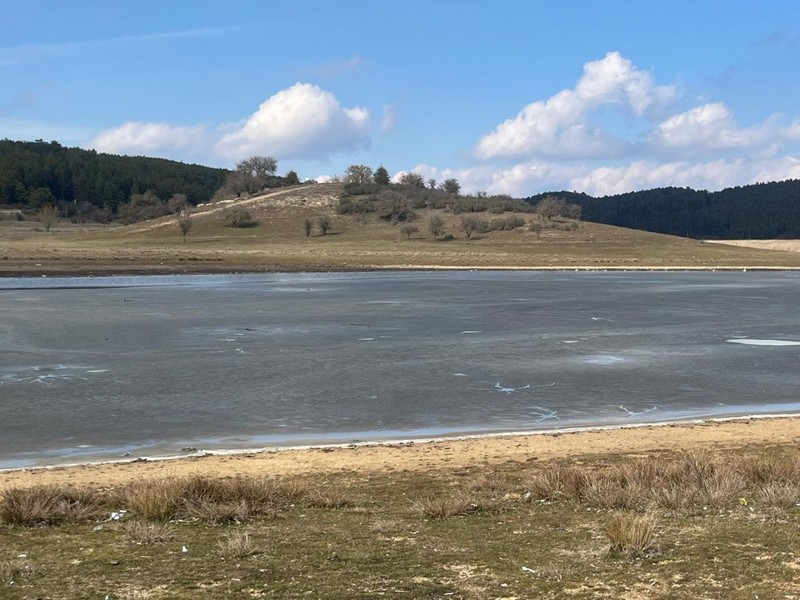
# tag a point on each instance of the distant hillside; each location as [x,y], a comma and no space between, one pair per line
[761,211]
[73,175]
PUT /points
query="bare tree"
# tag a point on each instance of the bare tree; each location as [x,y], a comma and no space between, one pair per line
[436,226]
[470,225]
[324,224]
[551,206]
[307,226]
[184,222]
[412,179]
[177,203]
[360,174]
[408,230]
[48,215]
[432,183]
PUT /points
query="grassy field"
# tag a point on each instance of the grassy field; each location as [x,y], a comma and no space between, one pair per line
[660,525]
[279,242]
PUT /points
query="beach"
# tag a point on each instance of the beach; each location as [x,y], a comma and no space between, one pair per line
[751,433]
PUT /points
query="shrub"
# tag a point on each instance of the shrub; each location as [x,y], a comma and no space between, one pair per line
[324,224]
[240,218]
[408,230]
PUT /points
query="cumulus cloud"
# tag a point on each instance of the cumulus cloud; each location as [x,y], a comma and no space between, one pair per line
[137,138]
[712,127]
[302,121]
[558,127]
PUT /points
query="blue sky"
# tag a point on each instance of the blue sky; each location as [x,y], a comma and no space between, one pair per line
[509,97]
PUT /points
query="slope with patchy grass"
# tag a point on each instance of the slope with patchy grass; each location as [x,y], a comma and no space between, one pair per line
[279,242]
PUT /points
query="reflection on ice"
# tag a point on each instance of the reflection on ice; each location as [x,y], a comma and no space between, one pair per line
[754,342]
[48,374]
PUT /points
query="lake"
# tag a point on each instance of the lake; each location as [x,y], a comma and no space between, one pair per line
[106,368]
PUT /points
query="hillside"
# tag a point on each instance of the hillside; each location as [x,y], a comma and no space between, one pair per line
[72,176]
[760,211]
[279,242]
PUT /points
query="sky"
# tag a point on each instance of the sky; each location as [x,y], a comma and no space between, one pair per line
[509,97]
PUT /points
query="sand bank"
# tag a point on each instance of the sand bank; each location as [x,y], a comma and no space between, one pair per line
[433,455]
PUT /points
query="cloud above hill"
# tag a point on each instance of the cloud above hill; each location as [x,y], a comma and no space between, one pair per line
[302,121]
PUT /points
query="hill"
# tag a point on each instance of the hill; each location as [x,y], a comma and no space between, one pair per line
[72,176]
[276,240]
[760,211]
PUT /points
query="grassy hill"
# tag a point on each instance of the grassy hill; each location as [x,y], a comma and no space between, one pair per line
[279,242]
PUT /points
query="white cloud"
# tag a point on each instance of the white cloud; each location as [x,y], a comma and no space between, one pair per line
[712,127]
[713,175]
[558,127]
[137,138]
[531,177]
[302,121]
[388,120]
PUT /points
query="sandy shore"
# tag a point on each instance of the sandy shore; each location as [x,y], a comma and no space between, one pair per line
[750,433]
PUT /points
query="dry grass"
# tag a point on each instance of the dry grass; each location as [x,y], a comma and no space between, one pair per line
[15,570]
[145,534]
[578,543]
[631,535]
[279,242]
[239,544]
[48,505]
[692,482]
[152,499]
[457,504]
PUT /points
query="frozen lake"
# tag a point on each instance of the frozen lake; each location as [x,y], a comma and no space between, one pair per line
[101,368]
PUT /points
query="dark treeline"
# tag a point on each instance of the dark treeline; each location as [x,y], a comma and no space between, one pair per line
[38,173]
[761,211]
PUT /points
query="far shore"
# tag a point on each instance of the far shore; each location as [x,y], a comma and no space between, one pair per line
[44,269]
[433,455]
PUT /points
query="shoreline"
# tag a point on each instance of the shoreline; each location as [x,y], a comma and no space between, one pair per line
[159,270]
[429,454]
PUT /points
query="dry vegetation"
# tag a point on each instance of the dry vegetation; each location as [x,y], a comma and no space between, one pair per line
[667,525]
[277,241]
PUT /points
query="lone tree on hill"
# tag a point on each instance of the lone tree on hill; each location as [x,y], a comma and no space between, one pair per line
[185,222]
[307,226]
[358,174]
[292,178]
[48,215]
[251,175]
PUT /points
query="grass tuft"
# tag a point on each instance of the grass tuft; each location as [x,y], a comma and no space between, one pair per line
[48,505]
[145,534]
[239,544]
[632,536]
